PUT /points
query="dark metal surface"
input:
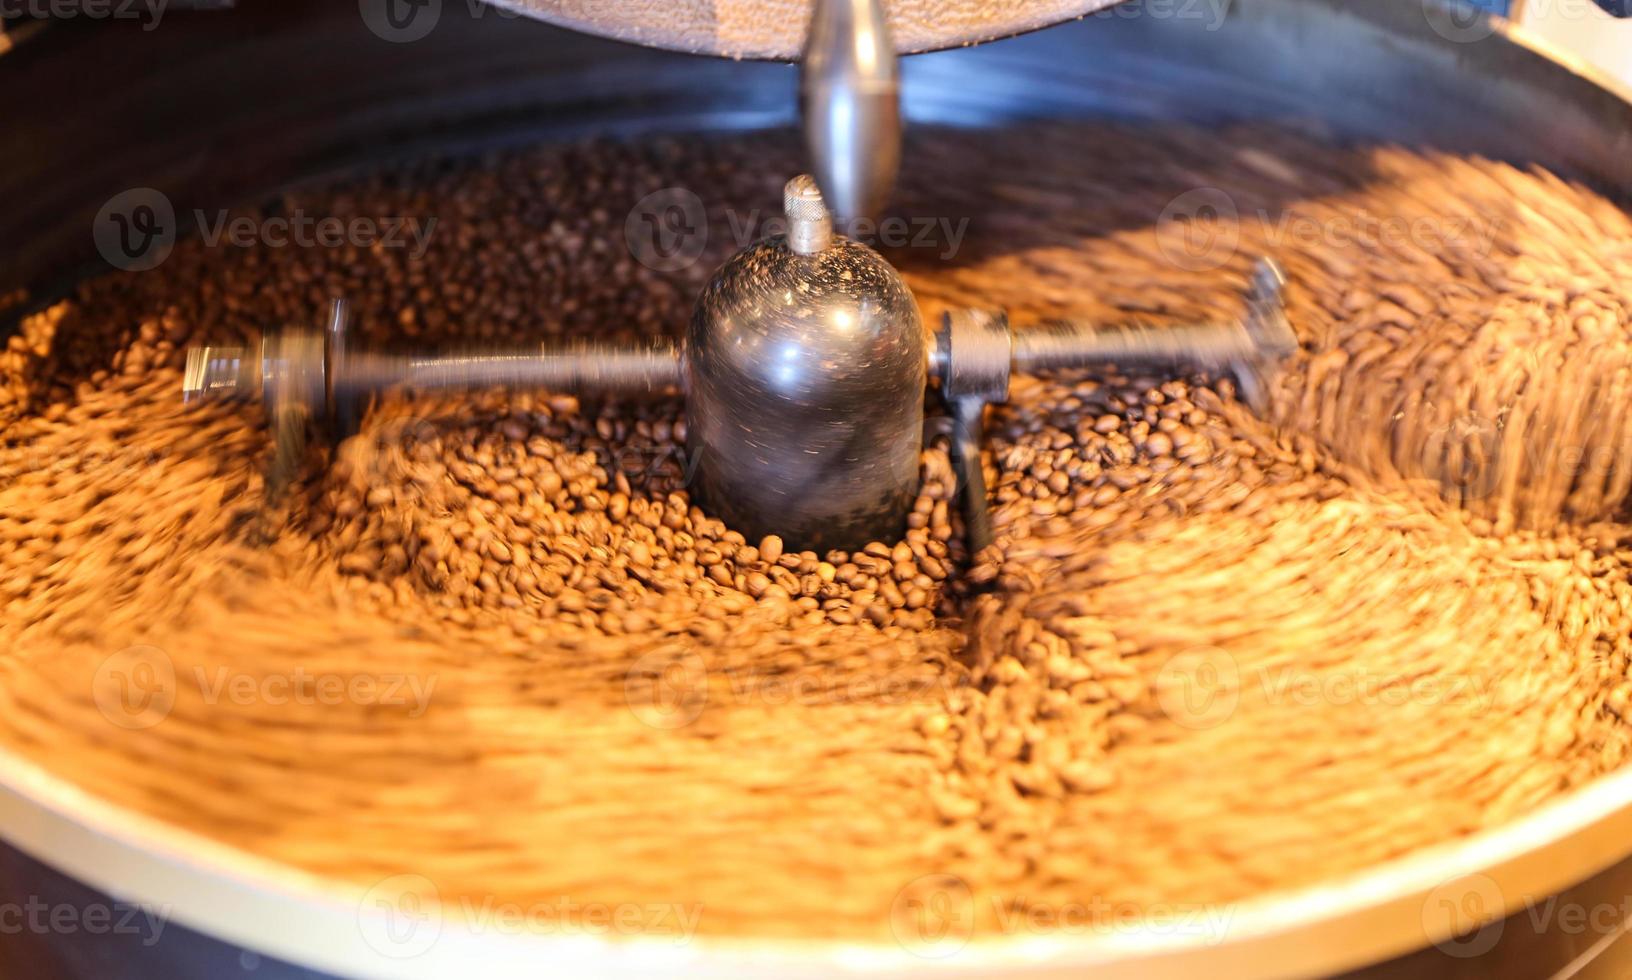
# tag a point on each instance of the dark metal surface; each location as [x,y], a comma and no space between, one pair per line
[973,353]
[968,430]
[583,367]
[805,395]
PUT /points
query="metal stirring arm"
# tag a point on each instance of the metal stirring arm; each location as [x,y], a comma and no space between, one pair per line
[976,353]
[309,376]
[298,370]
[575,368]
[306,376]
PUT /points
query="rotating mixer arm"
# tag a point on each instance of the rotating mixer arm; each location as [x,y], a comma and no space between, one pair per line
[318,374]
[976,352]
[303,376]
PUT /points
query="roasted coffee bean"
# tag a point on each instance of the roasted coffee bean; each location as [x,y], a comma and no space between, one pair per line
[1211,653]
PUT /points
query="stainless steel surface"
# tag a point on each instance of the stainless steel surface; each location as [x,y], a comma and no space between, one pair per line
[296,371]
[218,372]
[345,407]
[850,97]
[1057,345]
[294,389]
[810,226]
[974,355]
[1246,349]
[582,367]
[215,118]
[795,345]
[805,393]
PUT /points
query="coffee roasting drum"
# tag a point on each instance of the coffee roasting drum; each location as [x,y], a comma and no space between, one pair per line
[229,104]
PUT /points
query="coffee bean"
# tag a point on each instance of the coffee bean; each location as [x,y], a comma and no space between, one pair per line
[1433,505]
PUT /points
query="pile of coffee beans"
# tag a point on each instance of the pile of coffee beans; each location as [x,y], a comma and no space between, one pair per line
[493,644]
[579,522]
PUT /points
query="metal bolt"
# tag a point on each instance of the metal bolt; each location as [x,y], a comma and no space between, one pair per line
[810,228]
[213,372]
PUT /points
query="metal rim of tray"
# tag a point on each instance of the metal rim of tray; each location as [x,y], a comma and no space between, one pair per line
[1357,920]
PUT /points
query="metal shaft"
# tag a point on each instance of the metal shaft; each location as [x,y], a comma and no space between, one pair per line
[976,352]
[1065,344]
[318,374]
[851,102]
[967,424]
[1260,337]
[580,367]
